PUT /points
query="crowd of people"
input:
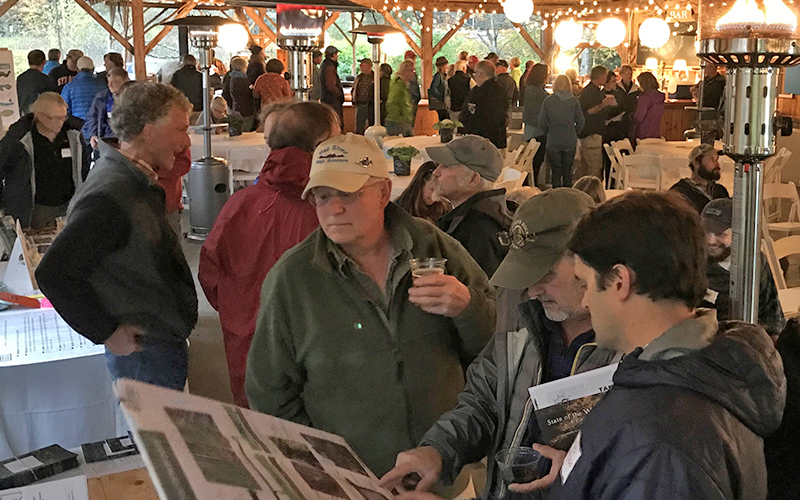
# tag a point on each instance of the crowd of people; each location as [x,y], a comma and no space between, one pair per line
[325,324]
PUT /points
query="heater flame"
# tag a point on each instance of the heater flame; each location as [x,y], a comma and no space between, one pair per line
[746,15]
[293,31]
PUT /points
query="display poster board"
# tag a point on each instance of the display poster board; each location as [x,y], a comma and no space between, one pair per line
[9,107]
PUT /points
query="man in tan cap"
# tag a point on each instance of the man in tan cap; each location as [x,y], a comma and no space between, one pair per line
[346,339]
[494,411]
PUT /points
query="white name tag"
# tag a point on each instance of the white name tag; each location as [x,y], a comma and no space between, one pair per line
[571,459]
[66,153]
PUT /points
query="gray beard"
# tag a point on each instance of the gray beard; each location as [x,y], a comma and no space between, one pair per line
[556,316]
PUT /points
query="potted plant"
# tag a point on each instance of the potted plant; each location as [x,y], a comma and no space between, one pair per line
[402,154]
[446,129]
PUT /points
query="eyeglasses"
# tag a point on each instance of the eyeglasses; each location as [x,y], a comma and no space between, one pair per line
[319,197]
[61,118]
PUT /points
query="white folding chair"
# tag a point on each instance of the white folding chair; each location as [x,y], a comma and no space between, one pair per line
[524,162]
[616,173]
[774,165]
[238,158]
[520,180]
[623,145]
[651,140]
[673,169]
[512,158]
[642,172]
[782,191]
[508,179]
[775,251]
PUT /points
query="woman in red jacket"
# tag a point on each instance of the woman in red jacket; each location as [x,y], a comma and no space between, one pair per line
[258,224]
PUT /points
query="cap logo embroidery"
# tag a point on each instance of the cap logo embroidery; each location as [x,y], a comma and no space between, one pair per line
[517,235]
[365,161]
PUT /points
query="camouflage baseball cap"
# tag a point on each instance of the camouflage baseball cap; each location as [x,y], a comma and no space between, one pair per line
[538,236]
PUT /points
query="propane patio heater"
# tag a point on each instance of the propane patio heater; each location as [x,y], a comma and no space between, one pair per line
[208,178]
[754,40]
[300,32]
[376,33]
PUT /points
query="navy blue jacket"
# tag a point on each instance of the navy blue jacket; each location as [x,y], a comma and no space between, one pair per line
[97,120]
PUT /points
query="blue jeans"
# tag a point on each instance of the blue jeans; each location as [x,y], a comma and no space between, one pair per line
[160,362]
[561,167]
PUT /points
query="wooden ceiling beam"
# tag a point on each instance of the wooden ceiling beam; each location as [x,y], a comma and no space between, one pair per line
[179,14]
[332,17]
[447,36]
[7,5]
[262,26]
[528,38]
[105,24]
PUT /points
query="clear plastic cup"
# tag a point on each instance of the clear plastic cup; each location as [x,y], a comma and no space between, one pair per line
[425,267]
[519,465]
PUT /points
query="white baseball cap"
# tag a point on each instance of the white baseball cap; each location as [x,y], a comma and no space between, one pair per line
[346,162]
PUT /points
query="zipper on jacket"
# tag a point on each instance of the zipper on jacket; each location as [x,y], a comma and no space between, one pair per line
[578,356]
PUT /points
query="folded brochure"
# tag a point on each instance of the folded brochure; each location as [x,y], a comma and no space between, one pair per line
[195,449]
[561,405]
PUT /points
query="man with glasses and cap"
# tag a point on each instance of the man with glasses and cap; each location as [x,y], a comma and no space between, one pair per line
[494,411]
[702,186]
[346,340]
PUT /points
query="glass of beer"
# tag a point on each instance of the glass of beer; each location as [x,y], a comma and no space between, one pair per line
[424,267]
[520,465]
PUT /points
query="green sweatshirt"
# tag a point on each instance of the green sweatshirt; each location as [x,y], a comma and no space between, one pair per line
[380,375]
[398,105]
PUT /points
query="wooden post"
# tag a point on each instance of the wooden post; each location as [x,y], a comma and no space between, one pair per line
[426,41]
[139,51]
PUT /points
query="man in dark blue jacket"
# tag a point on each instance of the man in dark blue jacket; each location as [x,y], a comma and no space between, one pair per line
[81,91]
[98,120]
[693,399]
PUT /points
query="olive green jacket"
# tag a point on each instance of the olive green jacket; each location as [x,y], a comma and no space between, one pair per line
[326,356]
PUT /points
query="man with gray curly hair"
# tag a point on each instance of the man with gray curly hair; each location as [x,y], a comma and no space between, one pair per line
[117,273]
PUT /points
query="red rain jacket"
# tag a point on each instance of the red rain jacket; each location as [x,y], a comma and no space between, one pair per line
[255,227]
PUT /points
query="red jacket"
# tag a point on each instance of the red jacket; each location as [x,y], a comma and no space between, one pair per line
[171,181]
[255,227]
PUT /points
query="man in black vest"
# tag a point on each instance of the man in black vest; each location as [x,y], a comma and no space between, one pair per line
[332,92]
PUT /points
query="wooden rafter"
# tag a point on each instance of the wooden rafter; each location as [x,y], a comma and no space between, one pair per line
[262,26]
[447,36]
[411,43]
[409,26]
[105,24]
[179,14]
[154,21]
[7,5]
[332,17]
[528,38]
[242,18]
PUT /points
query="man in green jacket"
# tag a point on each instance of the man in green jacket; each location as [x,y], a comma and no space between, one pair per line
[347,340]
[399,109]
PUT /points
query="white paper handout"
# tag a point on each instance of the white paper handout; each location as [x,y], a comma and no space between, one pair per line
[71,488]
[37,335]
[196,449]
[573,387]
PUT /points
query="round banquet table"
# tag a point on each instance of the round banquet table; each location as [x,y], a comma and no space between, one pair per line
[400,183]
[245,152]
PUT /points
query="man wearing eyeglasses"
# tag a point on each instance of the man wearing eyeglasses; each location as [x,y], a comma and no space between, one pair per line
[42,162]
[346,339]
[494,411]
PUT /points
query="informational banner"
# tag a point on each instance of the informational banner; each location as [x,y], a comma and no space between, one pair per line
[9,107]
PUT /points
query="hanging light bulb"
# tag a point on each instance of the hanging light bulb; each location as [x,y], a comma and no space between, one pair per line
[568,34]
[232,37]
[654,32]
[518,11]
[611,32]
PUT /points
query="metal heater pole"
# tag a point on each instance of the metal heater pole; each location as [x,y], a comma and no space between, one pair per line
[746,247]
[205,65]
[376,80]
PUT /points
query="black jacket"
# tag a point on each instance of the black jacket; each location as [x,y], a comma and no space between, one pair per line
[684,426]
[30,84]
[459,90]
[485,112]
[331,91]
[475,224]
[61,75]
[781,448]
[698,197]
[17,165]
[510,87]
[190,81]
[117,261]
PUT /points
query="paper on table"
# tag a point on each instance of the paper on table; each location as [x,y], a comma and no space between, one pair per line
[39,335]
[72,488]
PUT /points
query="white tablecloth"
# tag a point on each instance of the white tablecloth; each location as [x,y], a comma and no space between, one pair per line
[67,402]
[399,184]
[246,152]
[681,149]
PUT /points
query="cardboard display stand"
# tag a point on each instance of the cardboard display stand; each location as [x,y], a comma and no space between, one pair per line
[9,106]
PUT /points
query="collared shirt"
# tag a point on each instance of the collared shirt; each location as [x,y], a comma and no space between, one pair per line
[143,165]
[398,265]
[560,358]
